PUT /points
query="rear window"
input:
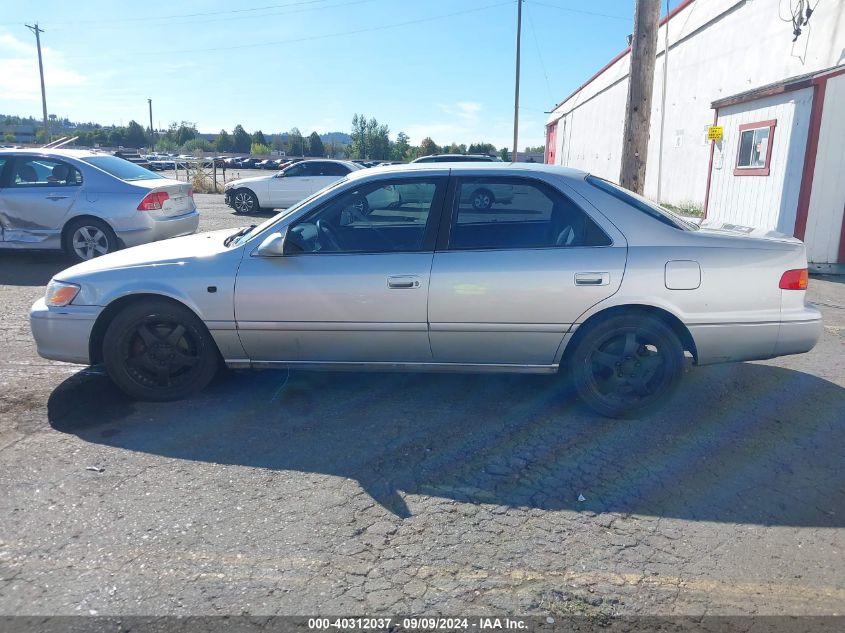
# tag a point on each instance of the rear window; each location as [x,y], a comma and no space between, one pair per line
[642,204]
[121,168]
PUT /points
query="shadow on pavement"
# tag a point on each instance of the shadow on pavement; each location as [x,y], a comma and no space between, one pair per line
[744,443]
[31,268]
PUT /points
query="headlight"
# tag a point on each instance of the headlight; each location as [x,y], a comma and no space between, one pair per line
[60,293]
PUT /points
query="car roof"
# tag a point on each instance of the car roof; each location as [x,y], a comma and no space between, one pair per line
[474,167]
[459,157]
[46,151]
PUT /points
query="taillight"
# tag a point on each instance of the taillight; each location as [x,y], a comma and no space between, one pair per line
[191,191]
[797,279]
[153,201]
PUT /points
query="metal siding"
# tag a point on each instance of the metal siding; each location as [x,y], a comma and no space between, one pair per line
[718,48]
[762,201]
[827,200]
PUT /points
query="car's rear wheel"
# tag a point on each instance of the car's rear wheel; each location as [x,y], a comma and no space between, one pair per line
[482,199]
[244,201]
[88,238]
[158,350]
[626,364]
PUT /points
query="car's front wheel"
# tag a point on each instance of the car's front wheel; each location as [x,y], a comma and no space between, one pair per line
[626,364]
[244,201]
[88,238]
[159,350]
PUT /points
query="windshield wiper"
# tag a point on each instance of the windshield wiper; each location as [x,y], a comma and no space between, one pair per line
[238,234]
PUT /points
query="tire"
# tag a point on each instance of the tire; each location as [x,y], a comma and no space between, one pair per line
[87,238]
[626,364]
[482,199]
[160,351]
[244,201]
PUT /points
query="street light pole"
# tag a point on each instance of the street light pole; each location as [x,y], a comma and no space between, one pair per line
[152,130]
[516,89]
[38,33]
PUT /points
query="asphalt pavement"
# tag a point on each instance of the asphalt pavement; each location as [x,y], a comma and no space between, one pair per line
[301,493]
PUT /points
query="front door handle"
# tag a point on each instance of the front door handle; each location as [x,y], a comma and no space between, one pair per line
[592,279]
[403,281]
[56,196]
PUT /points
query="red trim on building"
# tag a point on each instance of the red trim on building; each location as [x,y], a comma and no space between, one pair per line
[810,158]
[683,5]
[710,165]
[757,171]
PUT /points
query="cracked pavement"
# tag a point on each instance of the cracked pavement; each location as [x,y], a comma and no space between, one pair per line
[386,494]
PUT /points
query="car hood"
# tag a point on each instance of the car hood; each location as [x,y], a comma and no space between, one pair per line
[241,181]
[174,252]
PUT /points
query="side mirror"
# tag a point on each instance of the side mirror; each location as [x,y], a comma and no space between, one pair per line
[273,245]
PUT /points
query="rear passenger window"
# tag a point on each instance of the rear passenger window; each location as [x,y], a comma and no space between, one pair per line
[505,213]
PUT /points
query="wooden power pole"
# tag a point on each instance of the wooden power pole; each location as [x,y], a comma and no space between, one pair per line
[38,33]
[514,151]
[640,88]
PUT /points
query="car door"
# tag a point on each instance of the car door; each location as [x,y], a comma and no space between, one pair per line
[352,286]
[508,281]
[36,200]
[291,185]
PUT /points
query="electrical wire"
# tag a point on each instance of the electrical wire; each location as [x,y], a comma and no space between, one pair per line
[581,11]
[539,54]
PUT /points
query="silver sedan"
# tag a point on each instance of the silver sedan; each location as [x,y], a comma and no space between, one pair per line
[88,204]
[573,275]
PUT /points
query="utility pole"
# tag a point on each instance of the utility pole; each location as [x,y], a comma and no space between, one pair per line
[38,33]
[640,87]
[516,89]
[152,129]
[663,107]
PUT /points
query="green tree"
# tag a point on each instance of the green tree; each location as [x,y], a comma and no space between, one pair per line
[278,144]
[223,142]
[135,135]
[399,150]
[315,145]
[117,136]
[258,137]
[504,154]
[482,148]
[9,137]
[296,144]
[259,149]
[428,147]
[358,147]
[241,140]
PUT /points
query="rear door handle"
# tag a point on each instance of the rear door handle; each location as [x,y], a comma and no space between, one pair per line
[403,281]
[56,196]
[592,279]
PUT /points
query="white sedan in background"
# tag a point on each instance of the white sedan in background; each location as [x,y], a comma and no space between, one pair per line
[286,187]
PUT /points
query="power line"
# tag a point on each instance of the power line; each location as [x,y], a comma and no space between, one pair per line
[170,53]
[539,55]
[581,11]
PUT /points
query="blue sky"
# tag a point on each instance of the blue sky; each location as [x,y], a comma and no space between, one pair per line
[439,68]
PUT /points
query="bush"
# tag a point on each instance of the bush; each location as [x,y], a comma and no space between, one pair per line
[195,145]
[259,148]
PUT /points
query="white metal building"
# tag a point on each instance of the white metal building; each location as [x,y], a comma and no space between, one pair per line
[781,104]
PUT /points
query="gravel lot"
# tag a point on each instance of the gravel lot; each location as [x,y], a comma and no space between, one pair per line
[388,494]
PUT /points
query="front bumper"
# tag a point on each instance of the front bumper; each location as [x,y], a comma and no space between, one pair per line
[63,333]
[161,229]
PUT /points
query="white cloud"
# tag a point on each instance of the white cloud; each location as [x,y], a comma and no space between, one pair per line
[19,69]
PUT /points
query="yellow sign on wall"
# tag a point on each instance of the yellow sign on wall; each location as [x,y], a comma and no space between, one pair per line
[714,133]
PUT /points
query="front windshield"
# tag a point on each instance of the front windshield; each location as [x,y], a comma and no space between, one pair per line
[256,230]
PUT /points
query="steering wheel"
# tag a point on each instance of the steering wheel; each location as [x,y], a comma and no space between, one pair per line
[324,230]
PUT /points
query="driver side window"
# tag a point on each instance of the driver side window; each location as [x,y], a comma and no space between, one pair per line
[387,216]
